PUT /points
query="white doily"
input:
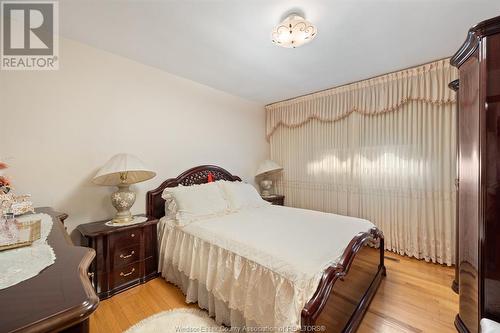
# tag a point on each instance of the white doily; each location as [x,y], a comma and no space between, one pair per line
[20,264]
[136,220]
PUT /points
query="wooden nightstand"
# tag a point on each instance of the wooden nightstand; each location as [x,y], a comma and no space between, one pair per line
[126,256]
[277,199]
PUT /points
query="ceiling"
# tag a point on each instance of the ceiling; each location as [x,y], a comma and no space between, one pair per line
[226,44]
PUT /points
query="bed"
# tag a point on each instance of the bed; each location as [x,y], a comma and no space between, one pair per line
[319,276]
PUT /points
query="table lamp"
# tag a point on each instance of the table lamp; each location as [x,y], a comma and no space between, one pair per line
[265,170]
[122,170]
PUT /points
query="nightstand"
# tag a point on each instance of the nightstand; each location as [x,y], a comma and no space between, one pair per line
[126,256]
[277,199]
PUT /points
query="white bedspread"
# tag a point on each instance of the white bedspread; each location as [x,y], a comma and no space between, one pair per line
[263,262]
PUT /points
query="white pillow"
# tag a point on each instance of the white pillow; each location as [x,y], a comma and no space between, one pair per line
[170,206]
[241,195]
[196,202]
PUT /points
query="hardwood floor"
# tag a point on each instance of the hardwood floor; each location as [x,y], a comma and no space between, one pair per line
[414,297]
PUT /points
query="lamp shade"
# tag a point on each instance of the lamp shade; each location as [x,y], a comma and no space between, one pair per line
[123,169]
[268,167]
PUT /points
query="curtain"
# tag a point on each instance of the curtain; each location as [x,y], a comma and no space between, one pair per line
[381,149]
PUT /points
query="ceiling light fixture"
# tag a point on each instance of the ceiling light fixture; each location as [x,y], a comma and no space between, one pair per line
[293,32]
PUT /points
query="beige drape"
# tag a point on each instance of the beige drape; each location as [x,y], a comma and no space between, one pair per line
[381,149]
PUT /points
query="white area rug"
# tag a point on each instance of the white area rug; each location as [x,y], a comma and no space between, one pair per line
[178,320]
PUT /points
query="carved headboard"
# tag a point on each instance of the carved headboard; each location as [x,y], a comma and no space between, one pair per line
[155,204]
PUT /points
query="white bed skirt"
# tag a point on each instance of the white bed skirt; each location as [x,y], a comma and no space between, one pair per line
[236,291]
[196,292]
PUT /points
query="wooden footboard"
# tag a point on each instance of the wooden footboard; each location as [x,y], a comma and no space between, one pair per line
[346,289]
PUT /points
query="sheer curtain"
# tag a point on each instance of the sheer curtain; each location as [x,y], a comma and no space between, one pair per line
[381,149]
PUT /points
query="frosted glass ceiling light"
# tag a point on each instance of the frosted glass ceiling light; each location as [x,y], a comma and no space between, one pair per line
[293,32]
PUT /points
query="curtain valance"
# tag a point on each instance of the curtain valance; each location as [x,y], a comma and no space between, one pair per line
[426,83]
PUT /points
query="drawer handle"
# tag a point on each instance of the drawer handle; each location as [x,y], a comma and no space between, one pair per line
[127,256]
[132,235]
[127,274]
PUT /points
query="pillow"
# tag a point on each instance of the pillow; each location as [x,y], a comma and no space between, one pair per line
[195,202]
[241,195]
[170,206]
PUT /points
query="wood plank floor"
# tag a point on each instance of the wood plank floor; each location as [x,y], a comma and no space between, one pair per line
[414,297]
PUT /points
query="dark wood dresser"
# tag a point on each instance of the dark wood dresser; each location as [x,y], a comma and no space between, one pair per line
[125,255]
[60,298]
[478,61]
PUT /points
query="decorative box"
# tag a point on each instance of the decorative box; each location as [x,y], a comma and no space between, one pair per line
[14,234]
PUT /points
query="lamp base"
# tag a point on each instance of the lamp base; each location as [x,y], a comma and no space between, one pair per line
[123,200]
[122,220]
[265,187]
[135,220]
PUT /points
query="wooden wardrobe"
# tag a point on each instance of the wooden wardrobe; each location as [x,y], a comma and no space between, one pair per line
[478,61]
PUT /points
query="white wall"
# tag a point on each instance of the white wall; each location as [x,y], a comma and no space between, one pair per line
[57,128]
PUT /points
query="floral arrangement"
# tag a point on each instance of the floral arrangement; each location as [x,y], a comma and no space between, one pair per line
[10,203]
[5,184]
[6,199]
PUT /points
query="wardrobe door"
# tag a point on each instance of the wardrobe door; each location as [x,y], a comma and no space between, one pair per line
[491,179]
[468,193]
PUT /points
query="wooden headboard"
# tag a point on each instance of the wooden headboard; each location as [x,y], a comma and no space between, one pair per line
[155,204]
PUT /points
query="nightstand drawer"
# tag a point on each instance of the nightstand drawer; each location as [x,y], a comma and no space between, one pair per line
[126,274]
[125,238]
[126,255]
